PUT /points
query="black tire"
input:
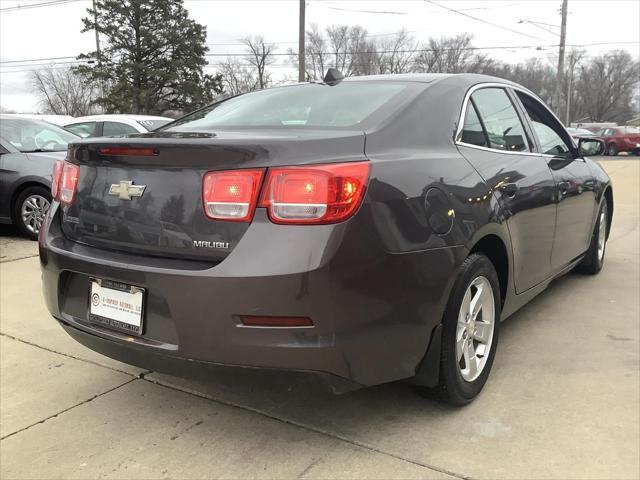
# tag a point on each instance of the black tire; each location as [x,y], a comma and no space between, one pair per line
[453,388]
[593,261]
[612,150]
[30,229]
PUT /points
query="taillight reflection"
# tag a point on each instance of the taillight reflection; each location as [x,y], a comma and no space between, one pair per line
[55,179]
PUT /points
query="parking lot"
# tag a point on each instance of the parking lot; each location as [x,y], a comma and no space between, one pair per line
[561,402]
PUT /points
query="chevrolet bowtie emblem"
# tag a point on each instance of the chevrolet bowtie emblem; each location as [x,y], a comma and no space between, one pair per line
[126,190]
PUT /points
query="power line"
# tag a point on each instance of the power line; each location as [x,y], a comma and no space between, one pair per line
[535,24]
[38,5]
[482,20]
[512,47]
[38,59]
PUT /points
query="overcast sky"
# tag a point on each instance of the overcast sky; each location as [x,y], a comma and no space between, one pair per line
[54,30]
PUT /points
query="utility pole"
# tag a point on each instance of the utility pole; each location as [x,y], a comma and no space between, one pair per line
[98,54]
[301,76]
[563,39]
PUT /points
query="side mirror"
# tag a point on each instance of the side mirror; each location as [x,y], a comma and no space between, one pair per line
[590,146]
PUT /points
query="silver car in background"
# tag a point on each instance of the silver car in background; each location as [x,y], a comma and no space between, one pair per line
[114,125]
[29,150]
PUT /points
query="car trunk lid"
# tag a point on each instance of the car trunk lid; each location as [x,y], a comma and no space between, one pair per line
[151,204]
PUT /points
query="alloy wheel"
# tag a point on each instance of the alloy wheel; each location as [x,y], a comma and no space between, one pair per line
[474,334]
[33,212]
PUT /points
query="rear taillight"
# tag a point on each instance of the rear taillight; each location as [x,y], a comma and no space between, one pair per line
[68,183]
[315,194]
[231,195]
[55,179]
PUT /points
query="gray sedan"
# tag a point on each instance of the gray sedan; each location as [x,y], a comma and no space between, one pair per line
[29,150]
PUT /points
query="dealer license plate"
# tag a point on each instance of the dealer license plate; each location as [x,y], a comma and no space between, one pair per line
[116,305]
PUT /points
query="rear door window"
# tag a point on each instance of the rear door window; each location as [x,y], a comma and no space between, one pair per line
[111,129]
[501,121]
[83,129]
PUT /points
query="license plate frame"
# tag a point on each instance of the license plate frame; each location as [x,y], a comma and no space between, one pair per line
[126,315]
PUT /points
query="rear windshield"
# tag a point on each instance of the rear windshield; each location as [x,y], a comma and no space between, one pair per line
[345,105]
[153,124]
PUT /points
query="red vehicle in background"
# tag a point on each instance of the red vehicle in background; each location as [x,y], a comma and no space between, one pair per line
[621,139]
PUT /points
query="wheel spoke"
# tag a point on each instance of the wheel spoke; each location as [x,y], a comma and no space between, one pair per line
[471,361]
[476,302]
[460,346]
[465,308]
[483,332]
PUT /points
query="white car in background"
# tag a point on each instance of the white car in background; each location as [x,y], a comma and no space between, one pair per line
[114,125]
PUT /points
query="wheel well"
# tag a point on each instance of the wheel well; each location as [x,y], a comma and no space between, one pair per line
[608,196]
[493,247]
[18,191]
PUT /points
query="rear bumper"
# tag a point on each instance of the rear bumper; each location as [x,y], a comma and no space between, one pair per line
[373,312]
[183,367]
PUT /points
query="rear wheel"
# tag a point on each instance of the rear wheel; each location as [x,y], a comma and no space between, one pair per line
[594,259]
[612,150]
[470,331]
[30,210]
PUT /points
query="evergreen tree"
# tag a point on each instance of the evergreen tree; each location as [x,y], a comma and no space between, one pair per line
[153,58]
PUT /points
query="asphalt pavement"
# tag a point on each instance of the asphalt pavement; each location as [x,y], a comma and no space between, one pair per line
[562,400]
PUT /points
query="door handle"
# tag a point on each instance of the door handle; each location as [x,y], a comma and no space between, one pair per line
[509,189]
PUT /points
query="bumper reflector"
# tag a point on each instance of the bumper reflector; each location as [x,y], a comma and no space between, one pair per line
[254,321]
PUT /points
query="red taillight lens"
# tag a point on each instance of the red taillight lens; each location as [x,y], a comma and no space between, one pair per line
[315,194]
[55,179]
[68,182]
[231,195]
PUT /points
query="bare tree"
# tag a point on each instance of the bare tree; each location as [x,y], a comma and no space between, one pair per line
[349,49]
[397,53]
[63,92]
[451,55]
[607,85]
[260,56]
[237,78]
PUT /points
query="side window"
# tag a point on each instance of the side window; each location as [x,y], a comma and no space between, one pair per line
[472,131]
[548,130]
[84,129]
[503,126]
[111,129]
[3,150]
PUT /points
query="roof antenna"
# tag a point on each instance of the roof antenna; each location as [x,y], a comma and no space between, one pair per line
[333,76]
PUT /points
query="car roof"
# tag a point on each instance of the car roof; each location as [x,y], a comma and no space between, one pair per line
[458,78]
[98,118]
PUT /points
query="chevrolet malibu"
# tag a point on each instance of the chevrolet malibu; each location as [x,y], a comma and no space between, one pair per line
[366,230]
